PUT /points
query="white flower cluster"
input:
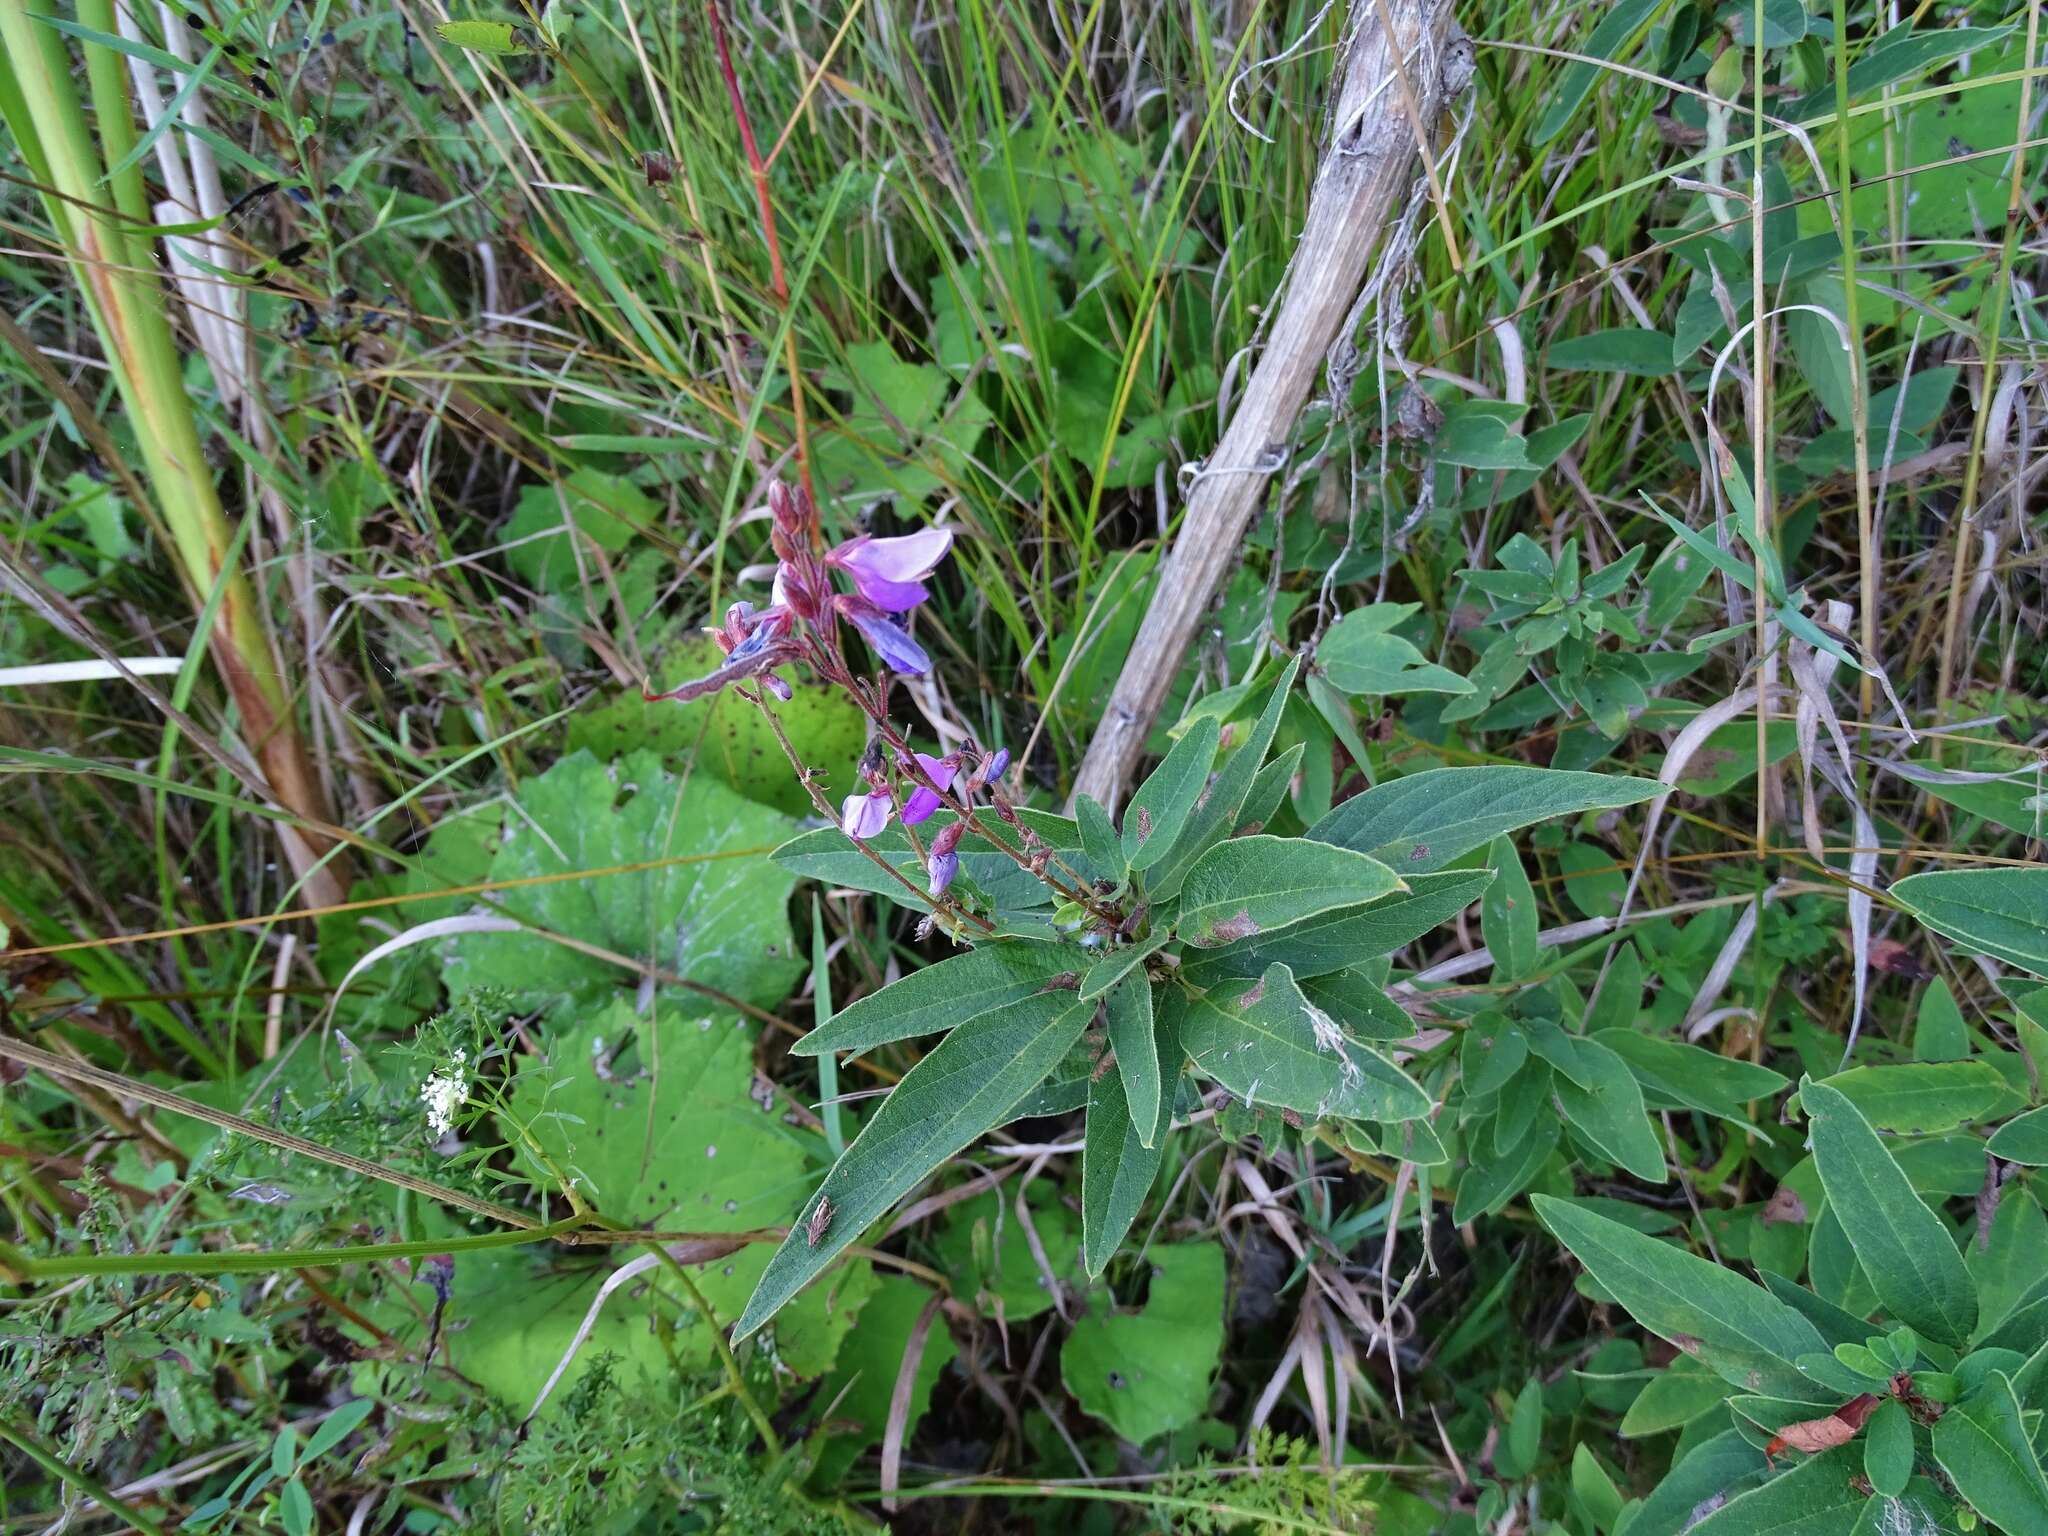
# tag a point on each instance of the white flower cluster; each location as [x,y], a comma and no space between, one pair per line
[444,1093]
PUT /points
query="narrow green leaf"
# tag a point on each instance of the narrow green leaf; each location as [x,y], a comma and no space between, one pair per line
[1119,963]
[1608,1112]
[1215,815]
[1361,655]
[1982,1445]
[1999,912]
[995,975]
[1708,1474]
[1507,914]
[1158,811]
[966,1085]
[1888,1448]
[1251,885]
[1735,1326]
[1924,1098]
[1356,1001]
[2023,1139]
[1621,22]
[1420,823]
[1269,790]
[1689,1077]
[1625,349]
[1904,1248]
[1818,1497]
[1134,1034]
[1120,1157]
[497,38]
[1939,1033]
[1098,838]
[1340,939]
[1268,1044]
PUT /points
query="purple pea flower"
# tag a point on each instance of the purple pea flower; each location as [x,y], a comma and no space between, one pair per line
[864,816]
[942,864]
[890,573]
[890,640]
[924,801]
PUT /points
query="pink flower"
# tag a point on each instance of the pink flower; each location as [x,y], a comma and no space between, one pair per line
[864,816]
[924,801]
[890,573]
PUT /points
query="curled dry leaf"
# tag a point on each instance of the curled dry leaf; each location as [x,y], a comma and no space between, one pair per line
[1825,1433]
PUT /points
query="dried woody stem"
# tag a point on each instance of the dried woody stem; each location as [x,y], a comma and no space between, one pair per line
[1365,176]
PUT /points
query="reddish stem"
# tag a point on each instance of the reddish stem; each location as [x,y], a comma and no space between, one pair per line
[777,282]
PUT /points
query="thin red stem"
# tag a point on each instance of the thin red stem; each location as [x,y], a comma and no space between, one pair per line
[777,282]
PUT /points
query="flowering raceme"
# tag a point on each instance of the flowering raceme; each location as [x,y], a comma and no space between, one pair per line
[800,622]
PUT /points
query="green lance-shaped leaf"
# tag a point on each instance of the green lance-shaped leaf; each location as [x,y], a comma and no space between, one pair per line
[1120,1156]
[1620,23]
[499,38]
[1738,1328]
[1160,808]
[1113,967]
[1359,1004]
[1678,1076]
[1268,1044]
[1098,838]
[1422,822]
[1924,1098]
[2022,1139]
[966,1085]
[1134,1034]
[995,975]
[1904,1247]
[1507,914]
[1249,885]
[1608,1111]
[1340,939]
[1361,654]
[1999,912]
[1215,815]
[1982,1445]
[1888,1448]
[1819,1497]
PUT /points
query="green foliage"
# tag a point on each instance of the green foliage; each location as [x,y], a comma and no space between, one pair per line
[1146,1371]
[1450,1055]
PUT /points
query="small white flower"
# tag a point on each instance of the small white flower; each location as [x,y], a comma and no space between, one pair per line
[445,1092]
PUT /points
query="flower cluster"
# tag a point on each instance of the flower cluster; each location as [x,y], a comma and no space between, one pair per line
[865,814]
[445,1092]
[801,620]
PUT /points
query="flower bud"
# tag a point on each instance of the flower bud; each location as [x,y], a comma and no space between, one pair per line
[942,868]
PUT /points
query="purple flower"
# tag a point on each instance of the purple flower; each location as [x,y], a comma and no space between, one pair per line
[890,573]
[942,863]
[890,640]
[990,769]
[864,816]
[923,801]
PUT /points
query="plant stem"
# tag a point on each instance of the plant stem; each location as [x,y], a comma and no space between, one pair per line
[777,281]
[22,1440]
[1996,297]
[113,267]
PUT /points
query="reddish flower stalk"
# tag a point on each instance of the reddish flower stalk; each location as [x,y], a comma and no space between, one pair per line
[777,282]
